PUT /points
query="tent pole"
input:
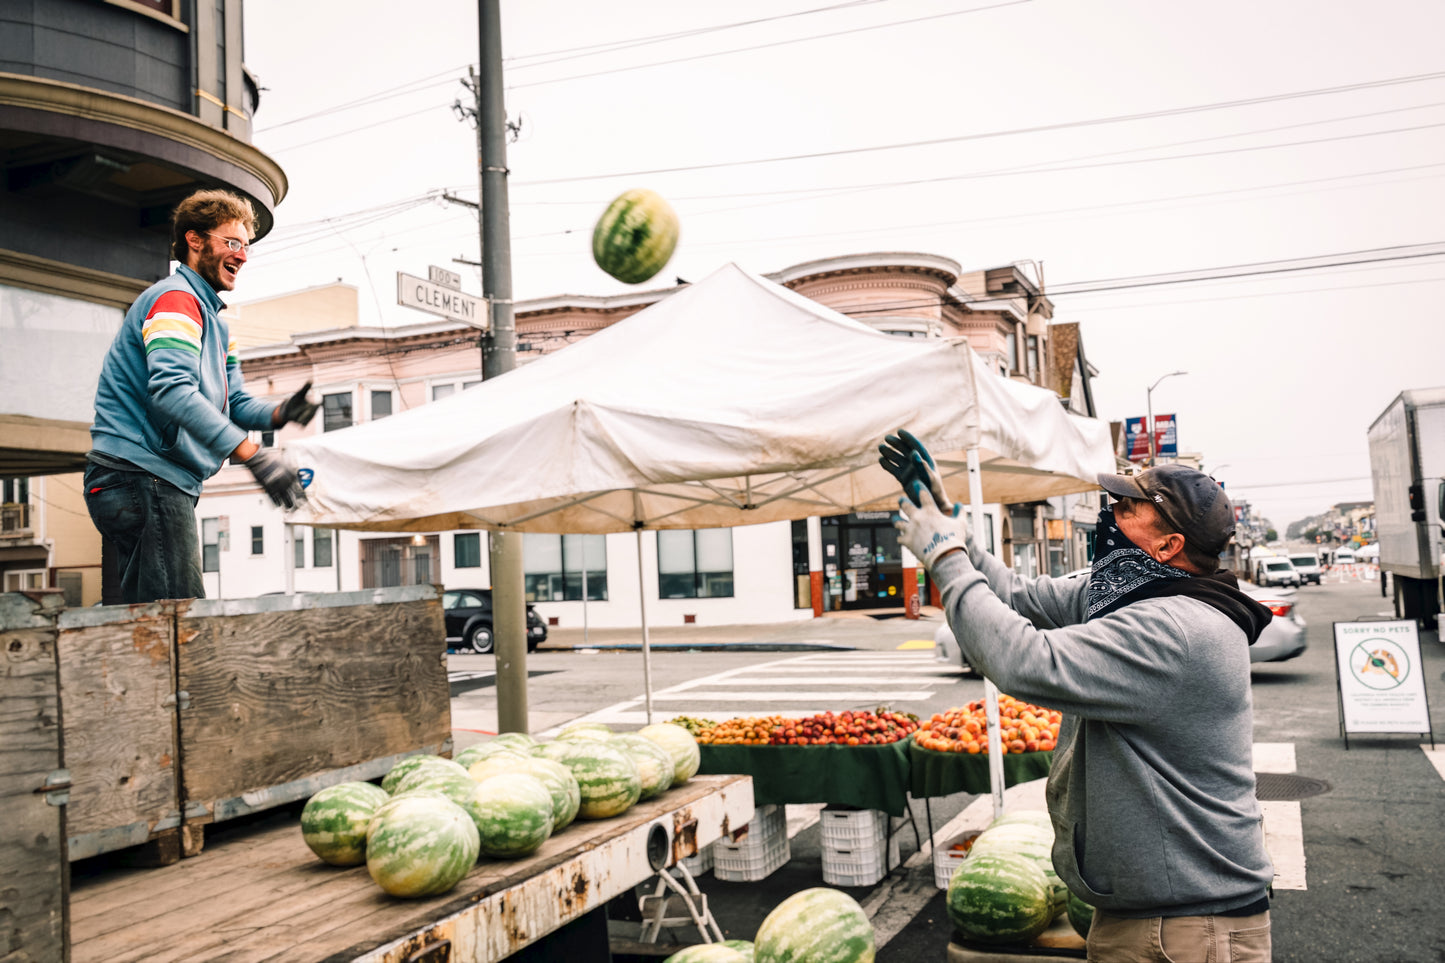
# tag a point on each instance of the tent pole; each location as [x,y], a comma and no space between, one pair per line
[990,691]
[288,537]
[646,645]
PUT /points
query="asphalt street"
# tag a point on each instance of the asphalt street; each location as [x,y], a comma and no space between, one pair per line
[1357,849]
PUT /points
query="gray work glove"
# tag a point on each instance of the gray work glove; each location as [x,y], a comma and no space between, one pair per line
[907,460]
[300,407]
[276,477]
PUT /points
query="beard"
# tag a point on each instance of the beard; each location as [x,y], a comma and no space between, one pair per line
[208,266]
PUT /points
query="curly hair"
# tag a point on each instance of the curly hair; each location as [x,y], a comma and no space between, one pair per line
[204,211]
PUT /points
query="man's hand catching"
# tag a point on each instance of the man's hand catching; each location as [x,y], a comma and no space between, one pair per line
[300,407]
[907,460]
[276,477]
[928,532]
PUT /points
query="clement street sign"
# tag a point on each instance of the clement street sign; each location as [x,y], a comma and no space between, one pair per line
[425,295]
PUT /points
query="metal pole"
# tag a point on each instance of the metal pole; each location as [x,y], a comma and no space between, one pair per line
[499,355]
[1149,424]
[646,643]
[990,691]
[585,640]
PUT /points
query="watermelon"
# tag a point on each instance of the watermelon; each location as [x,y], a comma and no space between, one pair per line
[653,763]
[513,813]
[745,947]
[398,802]
[635,237]
[420,846]
[423,777]
[566,796]
[1026,838]
[517,740]
[496,764]
[999,898]
[487,750]
[818,925]
[407,765]
[606,777]
[594,731]
[707,953]
[679,744]
[1081,915]
[334,821]
[1031,817]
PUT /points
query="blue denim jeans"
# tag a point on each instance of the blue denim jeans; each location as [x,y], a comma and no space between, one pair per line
[151,524]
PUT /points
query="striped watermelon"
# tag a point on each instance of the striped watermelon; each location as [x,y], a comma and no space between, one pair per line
[745,947]
[496,764]
[486,750]
[407,765]
[606,777]
[397,802]
[818,925]
[420,846]
[707,953]
[517,740]
[594,731]
[1081,915]
[424,777]
[635,237]
[999,898]
[513,813]
[653,763]
[566,796]
[334,821]
[1025,838]
[679,744]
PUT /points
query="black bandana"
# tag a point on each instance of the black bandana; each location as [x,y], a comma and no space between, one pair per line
[1124,573]
[1120,567]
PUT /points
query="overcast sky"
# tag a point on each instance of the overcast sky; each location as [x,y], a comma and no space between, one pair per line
[1339,149]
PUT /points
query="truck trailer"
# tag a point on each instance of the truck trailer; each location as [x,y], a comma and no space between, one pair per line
[1407,464]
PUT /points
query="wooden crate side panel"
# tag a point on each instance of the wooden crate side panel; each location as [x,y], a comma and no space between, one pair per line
[34,868]
[117,686]
[276,697]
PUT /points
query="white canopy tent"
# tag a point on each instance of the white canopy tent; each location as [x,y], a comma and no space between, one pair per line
[732,402]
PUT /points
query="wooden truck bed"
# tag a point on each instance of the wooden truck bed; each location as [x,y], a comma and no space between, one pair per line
[260,894]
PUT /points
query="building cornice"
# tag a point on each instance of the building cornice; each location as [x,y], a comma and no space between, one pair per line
[68,280]
[902,261]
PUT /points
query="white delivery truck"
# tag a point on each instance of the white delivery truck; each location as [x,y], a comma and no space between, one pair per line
[1407,462]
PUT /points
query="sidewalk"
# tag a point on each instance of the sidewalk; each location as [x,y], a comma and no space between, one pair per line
[844,630]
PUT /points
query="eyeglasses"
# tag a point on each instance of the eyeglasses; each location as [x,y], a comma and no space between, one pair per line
[231,242]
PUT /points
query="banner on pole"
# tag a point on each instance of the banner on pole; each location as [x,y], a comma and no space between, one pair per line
[1136,441]
[1381,685]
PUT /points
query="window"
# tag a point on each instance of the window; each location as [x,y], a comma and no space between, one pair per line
[298,548]
[469,384]
[258,540]
[552,567]
[321,548]
[1033,357]
[1011,350]
[695,565]
[336,411]
[467,550]
[210,545]
[802,579]
[221,50]
[16,491]
[268,439]
[71,585]
[380,405]
[438,392]
[988,531]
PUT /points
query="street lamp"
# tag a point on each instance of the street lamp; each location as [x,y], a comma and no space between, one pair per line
[1149,399]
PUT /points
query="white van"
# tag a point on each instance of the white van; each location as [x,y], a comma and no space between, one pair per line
[1275,571]
[1307,564]
[1345,556]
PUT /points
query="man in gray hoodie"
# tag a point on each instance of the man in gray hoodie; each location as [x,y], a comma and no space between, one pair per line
[1152,790]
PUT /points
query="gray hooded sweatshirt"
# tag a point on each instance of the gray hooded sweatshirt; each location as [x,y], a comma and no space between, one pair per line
[1152,790]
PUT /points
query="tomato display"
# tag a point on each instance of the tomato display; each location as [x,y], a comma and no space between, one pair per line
[1023,727]
[848,728]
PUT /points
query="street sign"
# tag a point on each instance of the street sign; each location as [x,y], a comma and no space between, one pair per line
[1381,678]
[445,278]
[425,295]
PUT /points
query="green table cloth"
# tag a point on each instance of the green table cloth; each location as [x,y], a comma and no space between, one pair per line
[945,773]
[868,777]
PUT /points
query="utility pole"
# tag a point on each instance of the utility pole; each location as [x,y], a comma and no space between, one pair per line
[499,355]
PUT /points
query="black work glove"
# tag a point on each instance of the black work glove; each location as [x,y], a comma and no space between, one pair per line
[276,477]
[300,407]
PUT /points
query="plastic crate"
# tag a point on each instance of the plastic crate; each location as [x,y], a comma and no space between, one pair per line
[699,864]
[848,828]
[946,859]
[745,863]
[859,867]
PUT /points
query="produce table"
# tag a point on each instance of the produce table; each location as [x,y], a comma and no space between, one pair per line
[934,773]
[868,777]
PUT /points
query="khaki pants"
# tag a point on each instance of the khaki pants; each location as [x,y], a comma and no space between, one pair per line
[1180,939]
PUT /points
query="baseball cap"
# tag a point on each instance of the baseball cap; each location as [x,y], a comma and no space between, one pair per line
[1190,501]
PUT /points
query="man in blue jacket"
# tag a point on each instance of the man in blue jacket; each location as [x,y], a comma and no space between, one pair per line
[170,408]
[1152,790]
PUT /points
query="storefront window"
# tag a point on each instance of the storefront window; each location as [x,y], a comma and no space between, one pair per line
[553,567]
[695,564]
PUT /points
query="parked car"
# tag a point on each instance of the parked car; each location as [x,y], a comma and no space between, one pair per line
[1275,571]
[1307,565]
[468,614]
[1282,639]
